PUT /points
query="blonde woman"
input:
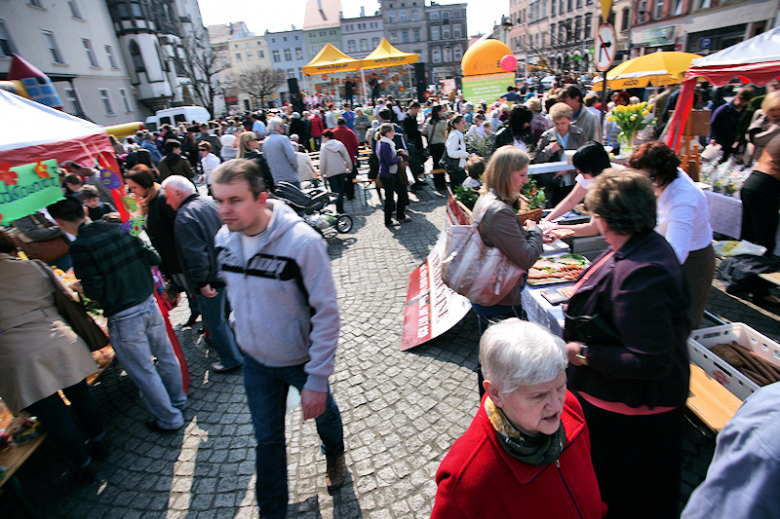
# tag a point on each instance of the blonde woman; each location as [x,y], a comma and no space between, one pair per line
[763,128]
[247,149]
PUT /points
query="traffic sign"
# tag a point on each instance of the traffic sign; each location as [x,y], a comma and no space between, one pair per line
[606,6]
[606,47]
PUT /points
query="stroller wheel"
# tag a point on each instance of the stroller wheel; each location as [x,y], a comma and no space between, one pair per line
[344,223]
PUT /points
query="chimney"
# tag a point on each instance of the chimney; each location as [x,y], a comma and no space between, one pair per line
[362,11]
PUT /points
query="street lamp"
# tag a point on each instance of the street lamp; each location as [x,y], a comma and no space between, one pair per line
[506,24]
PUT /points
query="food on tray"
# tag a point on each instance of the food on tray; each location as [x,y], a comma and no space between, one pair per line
[556,269]
[748,363]
[562,233]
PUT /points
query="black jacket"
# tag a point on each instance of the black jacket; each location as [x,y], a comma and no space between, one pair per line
[197,223]
[160,228]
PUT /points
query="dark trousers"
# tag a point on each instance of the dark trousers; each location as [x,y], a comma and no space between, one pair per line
[437,151]
[349,183]
[760,205]
[637,461]
[337,186]
[393,184]
[57,418]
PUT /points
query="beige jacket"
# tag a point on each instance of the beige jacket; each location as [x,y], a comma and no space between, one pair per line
[39,353]
[334,159]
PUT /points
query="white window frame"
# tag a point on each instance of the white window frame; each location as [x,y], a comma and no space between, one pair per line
[457,52]
[125,100]
[298,52]
[90,53]
[74,10]
[351,46]
[435,15]
[108,105]
[250,56]
[54,49]
[658,9]
[435,32]
[261,54]
[403,16]
[287,54]
[456,33]
[375,42]
[363,44]
[73,99]
[436,55]
[415,15]
[110,55]
[445,32]
[276,56]
[239,57]
[6,37]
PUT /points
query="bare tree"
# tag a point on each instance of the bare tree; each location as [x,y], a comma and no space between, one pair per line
[200,64]
[259,82]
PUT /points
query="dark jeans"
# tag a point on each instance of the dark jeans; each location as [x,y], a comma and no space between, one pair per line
[637,461]
[57,418]
[760,205]
[437,151]
[212,310]
[266,394]
[349,183]
[337,183]
[393,184]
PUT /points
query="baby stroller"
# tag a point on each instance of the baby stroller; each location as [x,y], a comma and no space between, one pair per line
[313,208]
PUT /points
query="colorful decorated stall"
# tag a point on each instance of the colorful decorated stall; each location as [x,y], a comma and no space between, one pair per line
[488,69]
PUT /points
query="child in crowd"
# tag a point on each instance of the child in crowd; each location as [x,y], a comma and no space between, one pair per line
[72,184]
[95,208]
[475,166]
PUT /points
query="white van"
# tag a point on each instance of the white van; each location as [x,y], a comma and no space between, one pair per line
[174,116]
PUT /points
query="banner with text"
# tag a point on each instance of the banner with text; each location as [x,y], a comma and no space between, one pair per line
[487,88]
[432,307]
[27,188]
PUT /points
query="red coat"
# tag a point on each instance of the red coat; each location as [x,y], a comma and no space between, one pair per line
[479,479]
[316,126]
[349,139]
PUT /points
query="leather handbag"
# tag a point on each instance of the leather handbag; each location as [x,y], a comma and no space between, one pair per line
[472,269]
[75,313]
[449,163]
[47,250]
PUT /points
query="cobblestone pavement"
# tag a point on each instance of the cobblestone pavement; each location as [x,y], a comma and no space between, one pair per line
[402,410]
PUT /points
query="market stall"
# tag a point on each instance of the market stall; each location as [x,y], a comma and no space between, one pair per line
[330,60]
[655,69]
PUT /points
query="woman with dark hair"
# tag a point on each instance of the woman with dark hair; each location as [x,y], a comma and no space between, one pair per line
[590,160]
[40,354]
[517,131]
[143,156]
[683,219]
[389,160]
[435,131]
[456,149]
[626,330]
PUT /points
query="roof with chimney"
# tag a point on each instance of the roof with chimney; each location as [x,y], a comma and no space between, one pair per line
[321,14]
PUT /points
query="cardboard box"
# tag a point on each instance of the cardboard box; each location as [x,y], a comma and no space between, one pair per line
[700,342]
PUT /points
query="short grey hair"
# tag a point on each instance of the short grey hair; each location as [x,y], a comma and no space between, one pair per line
[276,125]
[179,183]
[516,353]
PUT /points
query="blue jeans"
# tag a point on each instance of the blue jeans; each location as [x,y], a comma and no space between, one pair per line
[266,394]
[212,309]
[337,185]
[136,334]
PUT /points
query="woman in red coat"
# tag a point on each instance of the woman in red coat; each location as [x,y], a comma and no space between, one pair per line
[527,452]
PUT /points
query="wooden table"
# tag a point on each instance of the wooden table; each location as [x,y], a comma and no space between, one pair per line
[712,403]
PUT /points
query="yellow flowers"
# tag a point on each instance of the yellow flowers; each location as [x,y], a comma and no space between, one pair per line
[631,118]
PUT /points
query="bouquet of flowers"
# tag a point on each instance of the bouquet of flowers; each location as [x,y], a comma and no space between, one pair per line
[631,119]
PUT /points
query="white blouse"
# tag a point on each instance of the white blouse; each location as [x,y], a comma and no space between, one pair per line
[684,216]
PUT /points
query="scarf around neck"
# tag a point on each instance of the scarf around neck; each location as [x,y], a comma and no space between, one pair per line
[541,450]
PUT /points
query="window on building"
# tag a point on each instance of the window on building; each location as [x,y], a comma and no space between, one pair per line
[445,15]
[447,54]
[704,4]
[561,5]
[641,12]
[138,60]
[363,44]
[351,46]
[313,50]
[74,9]
[588,27]
[417,34]
[6,45]
[445,32]
[436,55]
[35,3]
[577,28]
[435,15]
[678,7]
[456,14]
[457,52]
[54,51]
[298,53]
[250,56]
[403,15]
[569,5]
[287,54]
[415,15]
[261,54]
[435,33]
[125,100]
[73,101]
[239,57]
[277,57]
[375,42]
[110,56]
[290,72]
[579,3]
[108,106]
[456,30]
[88,49]
[393,36]
[553,34]
[391,17]
[625,20]
[659,9]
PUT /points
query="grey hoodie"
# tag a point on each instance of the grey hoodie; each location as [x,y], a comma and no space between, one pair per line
[276,323]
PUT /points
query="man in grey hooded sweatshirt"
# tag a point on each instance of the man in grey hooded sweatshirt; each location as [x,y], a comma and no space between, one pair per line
[283,297]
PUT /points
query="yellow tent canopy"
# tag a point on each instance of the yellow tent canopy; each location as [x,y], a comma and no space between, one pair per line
[385,55]
[331,60]
[657,68]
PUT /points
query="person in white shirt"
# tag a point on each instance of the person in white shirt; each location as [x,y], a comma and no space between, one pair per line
[229,149]
[456,149]
[476,130]
[208,161]
[683,219]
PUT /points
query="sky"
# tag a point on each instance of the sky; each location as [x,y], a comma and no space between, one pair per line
[278,15]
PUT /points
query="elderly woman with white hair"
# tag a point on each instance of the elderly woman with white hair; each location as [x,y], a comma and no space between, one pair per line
[279,153]
[528,448]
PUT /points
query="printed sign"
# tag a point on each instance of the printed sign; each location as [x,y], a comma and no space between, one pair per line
[488,87]
[26,189]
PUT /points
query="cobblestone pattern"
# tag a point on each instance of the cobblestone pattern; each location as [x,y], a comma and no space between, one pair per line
[402,410]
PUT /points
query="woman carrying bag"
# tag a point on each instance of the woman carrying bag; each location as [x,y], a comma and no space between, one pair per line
[390,169]
[456,151]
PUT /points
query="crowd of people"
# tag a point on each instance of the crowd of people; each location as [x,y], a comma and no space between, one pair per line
[581,426]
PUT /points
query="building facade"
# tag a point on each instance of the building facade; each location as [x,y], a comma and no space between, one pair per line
[405,25]
[288,53]
[447,40]
[74,44]
[698,26]
[152,37]
[361,35]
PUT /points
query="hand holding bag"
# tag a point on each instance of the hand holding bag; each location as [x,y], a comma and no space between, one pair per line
[74,313]
[472,269]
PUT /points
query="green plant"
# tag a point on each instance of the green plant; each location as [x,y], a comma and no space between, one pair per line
[632,118]
[535,196]
[466,196]
[482,146]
